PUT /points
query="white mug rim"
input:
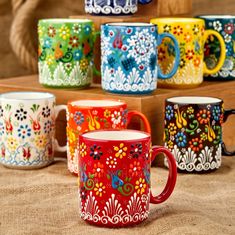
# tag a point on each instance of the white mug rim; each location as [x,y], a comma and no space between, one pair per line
[194,100]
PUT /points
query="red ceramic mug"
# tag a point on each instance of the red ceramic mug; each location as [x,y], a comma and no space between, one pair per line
[114,182]
[90,115]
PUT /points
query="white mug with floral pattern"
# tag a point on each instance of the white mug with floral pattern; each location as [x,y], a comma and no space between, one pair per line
[27,129]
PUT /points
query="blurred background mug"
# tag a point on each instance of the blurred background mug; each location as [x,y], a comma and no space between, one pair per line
[225,26]
[90,115]
[129,57]
[27,129]
[191,36]
[65,53]
[193,132]
[113,7]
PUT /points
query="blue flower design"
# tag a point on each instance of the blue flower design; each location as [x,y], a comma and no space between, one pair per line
[87,29]
[180,139]
[169,112]
[77,55]
[2,129]
[216,112]
[47,42]
[47,127]
[78,118]
[24,131]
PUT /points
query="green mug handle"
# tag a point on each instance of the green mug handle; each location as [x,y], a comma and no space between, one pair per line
[96,71]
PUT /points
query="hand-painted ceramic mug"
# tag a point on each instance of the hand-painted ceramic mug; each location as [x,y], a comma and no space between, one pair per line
[193,131]
[129,57]
[191,36]
[27,129]
[65,52]
[114,182]
[225,26]
[113,7]
[89,115]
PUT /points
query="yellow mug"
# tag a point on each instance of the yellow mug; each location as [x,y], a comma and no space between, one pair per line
[191,35]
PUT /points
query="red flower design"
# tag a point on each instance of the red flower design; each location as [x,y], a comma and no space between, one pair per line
[134,169]
[98,169]
[195,144]
[203,116]
[73,41]
[229,28]
[178,30]
[197,62]
[189,54]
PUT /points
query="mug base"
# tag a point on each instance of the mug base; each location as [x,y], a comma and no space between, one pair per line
[180,86]
[66,87]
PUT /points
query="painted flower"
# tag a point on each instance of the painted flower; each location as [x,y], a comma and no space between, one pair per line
[82,150]
[116,117]
[78,118]
[50,59]
[190,112]
[2,129]
[77,28]
[12,143]
[169,113]
[197,61]
[229,28]
[178,30]
[1,111]
[40,141]
[111,162]
[51,32]
[172,128]
[135,169]
[227,38]
[188,37]
[204,116]
[83,193]
[73,41]
[189,54]
[217,26]
[95,152]
[216,112]
[107,113]
[161,54]
[87,29]
[99,189]
[24,131]
[136,150]
[180,139]
[170,144]
[46,112]
[203,136]
[64,32]
[196,29]
[21,114]
[129,31]
[47,127]
[167,28]
[120,151]
[140,186]
[195,144]
[68,66]
[84,64]
[98,169]
[77,55]
[47,43]
[182,63]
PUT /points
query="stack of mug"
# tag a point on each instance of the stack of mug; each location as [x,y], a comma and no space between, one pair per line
[112,162]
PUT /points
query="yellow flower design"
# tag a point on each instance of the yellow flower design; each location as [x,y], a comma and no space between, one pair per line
[84,64]
[99,189]
[83,150]
[190,110]
[140,186]
[12,143]
[40,141]
[170,144]
[107,113]
[50,59]
[172,128]
[71,136]
[64,32]
[120,151]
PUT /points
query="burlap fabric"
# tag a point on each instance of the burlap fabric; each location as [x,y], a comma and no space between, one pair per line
[45,202]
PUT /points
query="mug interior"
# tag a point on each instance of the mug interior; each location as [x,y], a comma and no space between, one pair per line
[63,20]
[26,96]
[217,17]
[130,24]
[97,103]
[116,135]
[194,100]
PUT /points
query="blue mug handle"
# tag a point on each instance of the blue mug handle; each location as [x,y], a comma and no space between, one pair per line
[177,56]
[144,1]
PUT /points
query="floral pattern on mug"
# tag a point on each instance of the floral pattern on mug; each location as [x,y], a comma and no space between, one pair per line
[65,52]
[193,133]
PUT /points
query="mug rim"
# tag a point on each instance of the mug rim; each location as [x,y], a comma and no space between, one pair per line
[146,136]
[128,24]
[196,100]
[172,20]
[64,20]
[216,16]
[44,96]
[121,103]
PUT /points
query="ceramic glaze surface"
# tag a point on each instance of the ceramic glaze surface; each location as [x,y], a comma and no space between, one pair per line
[65,53]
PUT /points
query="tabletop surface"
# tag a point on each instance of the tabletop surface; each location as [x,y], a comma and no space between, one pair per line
[45,201]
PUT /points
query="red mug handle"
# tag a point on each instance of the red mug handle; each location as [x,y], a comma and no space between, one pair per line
[170,185]
[142,117]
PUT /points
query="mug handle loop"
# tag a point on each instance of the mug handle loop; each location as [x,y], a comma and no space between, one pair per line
[58,109]
[95,70]
[177,56]
[170,185]
[142,117]
[222,53]
[143,2]
[225,152]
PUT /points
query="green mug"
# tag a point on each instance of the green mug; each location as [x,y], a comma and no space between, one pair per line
[66,52]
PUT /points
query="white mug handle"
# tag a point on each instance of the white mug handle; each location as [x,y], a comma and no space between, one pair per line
[58,109]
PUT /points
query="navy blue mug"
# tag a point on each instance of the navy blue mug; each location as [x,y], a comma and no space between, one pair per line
[129,57]
[113,7]
[225,25]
